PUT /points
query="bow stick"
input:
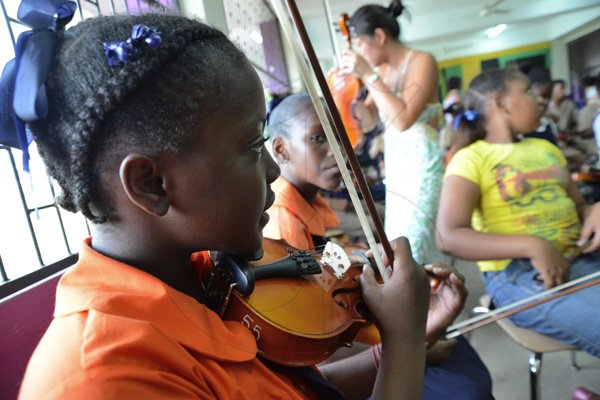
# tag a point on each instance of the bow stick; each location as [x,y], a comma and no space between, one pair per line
[526,303]
[338,128]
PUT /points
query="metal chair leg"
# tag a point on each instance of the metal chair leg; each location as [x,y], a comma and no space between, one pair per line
[535,367]
[574,360]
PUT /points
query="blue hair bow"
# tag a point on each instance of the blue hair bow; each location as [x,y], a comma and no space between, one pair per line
[22,84]
[468,115]
[130,50]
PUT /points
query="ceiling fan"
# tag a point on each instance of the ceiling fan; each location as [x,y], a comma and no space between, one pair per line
[492,8]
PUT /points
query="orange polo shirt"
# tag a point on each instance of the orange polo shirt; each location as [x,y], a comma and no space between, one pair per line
[121,333]
[294,219]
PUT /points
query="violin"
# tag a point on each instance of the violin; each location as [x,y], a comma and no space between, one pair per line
[345,88]
[301,307]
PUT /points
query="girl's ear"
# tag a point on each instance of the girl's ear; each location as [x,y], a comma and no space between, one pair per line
[500,102]
[280,150]
[143,184]
[379,36]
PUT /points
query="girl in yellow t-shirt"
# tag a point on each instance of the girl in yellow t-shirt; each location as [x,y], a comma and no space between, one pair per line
[511,205]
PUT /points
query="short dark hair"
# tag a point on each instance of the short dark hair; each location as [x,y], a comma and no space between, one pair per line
[590,81]
[287,114]
[98,113]
[454,82]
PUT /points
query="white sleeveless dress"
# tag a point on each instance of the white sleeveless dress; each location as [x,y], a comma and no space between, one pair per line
[414,171]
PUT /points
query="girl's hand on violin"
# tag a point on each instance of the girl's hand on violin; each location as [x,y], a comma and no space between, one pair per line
[353,63]
[591,227]
[399,306]
[446,301]
[552,266]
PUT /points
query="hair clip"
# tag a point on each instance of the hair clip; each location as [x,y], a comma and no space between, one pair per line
[469,115]
[118,53]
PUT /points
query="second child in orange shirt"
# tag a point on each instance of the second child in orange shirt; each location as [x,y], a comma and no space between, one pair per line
[300,215]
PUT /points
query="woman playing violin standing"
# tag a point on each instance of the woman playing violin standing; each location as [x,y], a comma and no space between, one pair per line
[402,85]
[157,139]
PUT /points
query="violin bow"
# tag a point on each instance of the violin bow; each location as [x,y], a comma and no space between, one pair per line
[335,131]
[482,320]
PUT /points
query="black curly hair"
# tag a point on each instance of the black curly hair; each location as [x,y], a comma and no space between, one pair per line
[98,114]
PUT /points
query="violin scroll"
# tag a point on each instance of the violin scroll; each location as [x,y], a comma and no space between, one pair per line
[343,23]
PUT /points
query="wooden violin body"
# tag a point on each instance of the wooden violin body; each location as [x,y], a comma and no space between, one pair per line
[299,312]
[344,90]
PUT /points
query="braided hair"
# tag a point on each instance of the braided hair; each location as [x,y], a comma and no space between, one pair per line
[98,114]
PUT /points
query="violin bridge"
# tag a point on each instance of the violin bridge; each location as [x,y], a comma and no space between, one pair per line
[335,256]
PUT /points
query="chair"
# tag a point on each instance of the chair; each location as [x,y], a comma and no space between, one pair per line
[536,343]
[24,317]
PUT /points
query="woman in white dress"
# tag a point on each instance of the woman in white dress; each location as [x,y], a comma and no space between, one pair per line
[403,86]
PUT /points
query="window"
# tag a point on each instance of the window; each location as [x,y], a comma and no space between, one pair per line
[37,238]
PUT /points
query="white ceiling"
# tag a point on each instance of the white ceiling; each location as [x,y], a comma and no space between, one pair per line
[454,28]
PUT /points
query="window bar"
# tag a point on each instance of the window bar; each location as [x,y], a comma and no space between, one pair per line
[24,202]
[60,220]
[8,20]
[3,271]
[79,9]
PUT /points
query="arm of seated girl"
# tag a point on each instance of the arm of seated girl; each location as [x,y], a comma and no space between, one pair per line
[589,214]
[456,236]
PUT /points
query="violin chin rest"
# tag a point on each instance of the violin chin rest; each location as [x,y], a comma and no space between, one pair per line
[257,255]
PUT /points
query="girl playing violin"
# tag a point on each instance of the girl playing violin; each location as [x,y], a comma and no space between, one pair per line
[511,205]
[154,132]
[300,216]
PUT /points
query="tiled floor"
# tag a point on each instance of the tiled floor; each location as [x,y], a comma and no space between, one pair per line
[508,362]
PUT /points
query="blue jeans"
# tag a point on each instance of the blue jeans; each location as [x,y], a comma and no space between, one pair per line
[573,318]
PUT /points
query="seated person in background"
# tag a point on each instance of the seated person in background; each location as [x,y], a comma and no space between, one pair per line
[448,135]
[369,150]
[542,90]
[300,216]
[561,109]
[596,129]
[591,108]
[510,204]
[452,105]
[453,85]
